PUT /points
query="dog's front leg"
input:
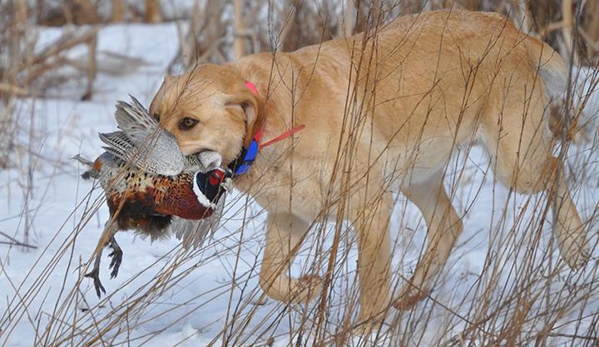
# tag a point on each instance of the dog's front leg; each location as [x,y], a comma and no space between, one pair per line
[374,263]
[284,233]
[443,228]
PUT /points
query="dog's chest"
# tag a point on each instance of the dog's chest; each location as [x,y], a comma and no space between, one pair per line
[298,187]
[305,188]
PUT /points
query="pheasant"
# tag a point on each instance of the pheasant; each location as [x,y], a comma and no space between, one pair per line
[151,187]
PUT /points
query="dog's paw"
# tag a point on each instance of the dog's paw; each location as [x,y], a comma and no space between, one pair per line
[306,288]
[573,245]
[575,252]
[579,259]
[409,297]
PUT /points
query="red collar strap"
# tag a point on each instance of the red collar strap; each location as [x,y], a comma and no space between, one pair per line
[281,137]
[245,160]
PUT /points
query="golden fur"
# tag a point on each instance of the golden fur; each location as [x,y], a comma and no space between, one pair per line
[383,113]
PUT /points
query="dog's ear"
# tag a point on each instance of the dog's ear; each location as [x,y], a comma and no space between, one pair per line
[251,102]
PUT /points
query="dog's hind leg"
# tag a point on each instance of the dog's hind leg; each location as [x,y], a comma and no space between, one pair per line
[284,232]
[547,173]
[567,228]
[443,228]
[522,160]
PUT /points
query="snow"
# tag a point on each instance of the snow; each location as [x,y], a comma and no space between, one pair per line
[171,296]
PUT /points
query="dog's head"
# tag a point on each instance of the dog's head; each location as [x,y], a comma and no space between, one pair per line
[208,109]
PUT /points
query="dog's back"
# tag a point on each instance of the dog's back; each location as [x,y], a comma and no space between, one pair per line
[413,90]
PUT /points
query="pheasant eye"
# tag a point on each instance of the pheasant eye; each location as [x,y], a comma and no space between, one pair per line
[187,123]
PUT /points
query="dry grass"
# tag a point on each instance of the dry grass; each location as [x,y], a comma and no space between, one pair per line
[520,296]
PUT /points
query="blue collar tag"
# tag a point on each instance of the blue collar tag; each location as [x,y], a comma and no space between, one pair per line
[245,161]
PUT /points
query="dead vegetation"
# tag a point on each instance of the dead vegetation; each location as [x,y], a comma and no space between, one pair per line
[527,301]
[293,24]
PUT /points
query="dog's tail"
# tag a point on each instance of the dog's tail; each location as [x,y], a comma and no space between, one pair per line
[575,118]
[552,68]
[585,100]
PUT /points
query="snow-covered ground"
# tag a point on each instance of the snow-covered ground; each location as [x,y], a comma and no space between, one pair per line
[167,296]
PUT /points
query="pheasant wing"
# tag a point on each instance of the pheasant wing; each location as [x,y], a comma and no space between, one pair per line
[142,141]
[135,121]
[145,158]
[118,144]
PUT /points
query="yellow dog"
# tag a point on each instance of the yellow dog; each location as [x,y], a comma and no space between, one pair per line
[383,112]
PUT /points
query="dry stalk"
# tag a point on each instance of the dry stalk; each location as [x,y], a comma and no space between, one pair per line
[519,296]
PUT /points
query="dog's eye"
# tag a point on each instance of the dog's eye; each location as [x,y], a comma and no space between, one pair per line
[187,123]
[156,117]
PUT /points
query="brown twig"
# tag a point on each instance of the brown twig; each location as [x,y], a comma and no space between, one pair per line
[14,241]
